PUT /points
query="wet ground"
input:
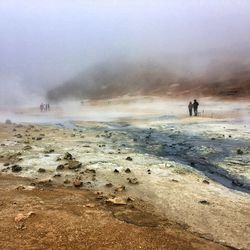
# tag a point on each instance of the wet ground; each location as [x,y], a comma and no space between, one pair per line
[193,171]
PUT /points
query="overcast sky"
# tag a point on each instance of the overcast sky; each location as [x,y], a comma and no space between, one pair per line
[47,42]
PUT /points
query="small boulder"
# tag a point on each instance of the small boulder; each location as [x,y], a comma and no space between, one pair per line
[74,164]
[205,182]
[129,158]
[60,167]
[27,147]
[16,168]
[127,170]
[204,202]
[77,183]
[116,171]
[41,170]
[68,156]
[239,151]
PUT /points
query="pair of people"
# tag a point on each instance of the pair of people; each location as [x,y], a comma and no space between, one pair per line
[44,107]
[192,106]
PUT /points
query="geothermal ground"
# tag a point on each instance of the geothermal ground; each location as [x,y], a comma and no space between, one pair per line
[126,174]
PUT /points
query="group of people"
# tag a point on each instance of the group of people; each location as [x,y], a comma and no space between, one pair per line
[193,106]
[44,107]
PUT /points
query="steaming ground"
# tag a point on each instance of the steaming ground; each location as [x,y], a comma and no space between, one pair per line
[193,171]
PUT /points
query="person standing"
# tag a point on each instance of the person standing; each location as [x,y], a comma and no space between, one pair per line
[190,108]
[195,106]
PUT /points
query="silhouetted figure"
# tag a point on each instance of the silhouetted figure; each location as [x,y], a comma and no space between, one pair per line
[41,107]
[195,106]
[190,108]
[48,107]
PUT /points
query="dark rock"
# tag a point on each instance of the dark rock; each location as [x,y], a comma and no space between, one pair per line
[239,151]
[6,164]
[28,147]
[129,158]
[19,136]
[57,175]
[116,171]
[41,170]
[109,185]
[16,168]
[204,202]
[127,170]
[205,182]
[149,171]
[66,181]
[68,156]
[174,180]
[39,138]
[49,151]
[74,164]
[60,167]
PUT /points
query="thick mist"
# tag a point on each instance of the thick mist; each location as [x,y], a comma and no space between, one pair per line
[99,49]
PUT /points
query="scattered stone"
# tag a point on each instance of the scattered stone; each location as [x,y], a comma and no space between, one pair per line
[68,156]
[16,168]
[19,136]
[8,122]
[129,158]
[28,147]
[74,164]
[77,183]
[45,182]
[127,170]
[60,167]
[174,180]
[239,151]
[49,151]
[204,202]
[205,182]
[116,201]
[120,188]
[2,144]
[90,205]
[149,171]
[39,138]
[21,217]
[133,180]
[41,170]
[66,181]
[58,159]
[130,199]
[6,164]
[57,175]
[116,171]
[109,185]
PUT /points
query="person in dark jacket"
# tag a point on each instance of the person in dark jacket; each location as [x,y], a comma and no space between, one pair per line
[195,106]
[190,108]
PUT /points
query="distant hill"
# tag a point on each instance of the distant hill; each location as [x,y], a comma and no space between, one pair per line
[108,80]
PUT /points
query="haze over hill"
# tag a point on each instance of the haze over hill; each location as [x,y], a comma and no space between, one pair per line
[220,79]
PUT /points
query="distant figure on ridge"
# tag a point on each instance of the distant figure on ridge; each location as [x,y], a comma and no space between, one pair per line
[190,108]
[195,106]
